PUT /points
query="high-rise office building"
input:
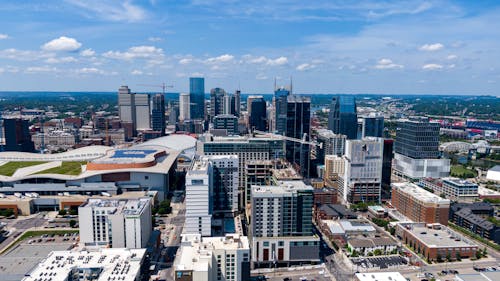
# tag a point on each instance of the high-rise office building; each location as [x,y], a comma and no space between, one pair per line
[257,114]
[362,177]
[184,107]
[217,102]
[237,103]
[199,194]
[158,122]
[342,118]
[280,105]
[332,144]
[17,136]
[417,150]
[142,111]
[197,97]
[372,126]
[226,122]
[298,125]
[281,220]
[387,168]
[126,111]
[115,223]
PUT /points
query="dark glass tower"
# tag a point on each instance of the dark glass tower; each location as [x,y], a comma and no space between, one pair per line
[197,97]
[373,126]
[217,102]
[280,110]
[343,118]
[17,136]
[158,114]
[298,123]
[258,117]
[417,138]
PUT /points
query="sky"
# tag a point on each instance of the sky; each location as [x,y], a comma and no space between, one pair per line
[326,46]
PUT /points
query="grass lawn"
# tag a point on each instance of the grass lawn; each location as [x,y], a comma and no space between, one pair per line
[73,168]
[462,172]
[8,169]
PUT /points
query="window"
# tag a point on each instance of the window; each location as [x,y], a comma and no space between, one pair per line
[266,244]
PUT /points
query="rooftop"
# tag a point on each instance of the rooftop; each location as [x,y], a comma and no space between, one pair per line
[119,206]
[380,276]
[459,182]
[284,188]
[437,235]
[480,276]
[106,264]
[419,193]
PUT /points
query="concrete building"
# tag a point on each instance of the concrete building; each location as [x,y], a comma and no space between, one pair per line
[417,150]
[143,111]
[184,107]
[334,169]
[225,182]
[493,174]
[333,144]
[216,102]
[126,108]
[418,204]
[115,223]
[102,265]
[362,178]
[363,246]
[379,276]
[281,224]
[435,242]
[199,192]
[212,258]
[258,172]
[456,189]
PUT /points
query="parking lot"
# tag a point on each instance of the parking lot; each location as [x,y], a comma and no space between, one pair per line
[379,262]
[24,256]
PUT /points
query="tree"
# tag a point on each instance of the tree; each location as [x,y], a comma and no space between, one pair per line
[72,223]
[448,256]
[439,258]
[485,254]
[459,258]
[377,252]
[73,212]
[478,254]
[62,212]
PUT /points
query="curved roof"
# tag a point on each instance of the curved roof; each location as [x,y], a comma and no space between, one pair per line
[80,154]
[178,142]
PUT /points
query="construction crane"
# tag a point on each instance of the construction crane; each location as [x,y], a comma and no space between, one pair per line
[163,86]
[302,141]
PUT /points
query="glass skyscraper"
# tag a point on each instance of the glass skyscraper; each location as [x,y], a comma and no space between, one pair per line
[197,97]
[158,122]
[280,110]
[343,118]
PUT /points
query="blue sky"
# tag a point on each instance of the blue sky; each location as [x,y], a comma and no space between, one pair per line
[372,46]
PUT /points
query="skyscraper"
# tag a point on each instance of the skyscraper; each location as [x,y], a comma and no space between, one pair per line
[280,110]
[142,111]
[217,96]
[226,122]
[298,124]
[417,150]
[237,103]
[342,118]
[372,126]
[17,135]
[197,97]
[332,144]
[158,122]
[199,194]
[126,110]
[185,113]
[257,118]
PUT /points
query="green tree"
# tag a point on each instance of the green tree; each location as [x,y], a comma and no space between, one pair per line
[73,211]
[62,212]
[72,223]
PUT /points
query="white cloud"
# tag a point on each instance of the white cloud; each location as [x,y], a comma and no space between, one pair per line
[40,69]
[87,53]
[155,39]
[277,61]
[185,61]
[60,60]
[451,57]
[305,66]
[197,74]
[114,10]
[62,43]
[136,72]
[3,36]
[221,58]
[90,70]
[256,60]
[387,64]
[261,76]
[432,66]
[138,52]
[431,47]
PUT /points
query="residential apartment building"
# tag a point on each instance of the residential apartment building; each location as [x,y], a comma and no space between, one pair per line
[453,188]
[225,182]
[115,223]
[199,194]
[418,204]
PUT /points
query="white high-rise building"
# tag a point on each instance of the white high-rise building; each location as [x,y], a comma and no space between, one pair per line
[143,111]
[126,105]
[199,193]
[116,223]
[184,108]
[226,179]
[213,258]
[362,177]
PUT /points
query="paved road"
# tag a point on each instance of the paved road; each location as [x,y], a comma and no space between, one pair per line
[174,224]
[20,225]
[297,275]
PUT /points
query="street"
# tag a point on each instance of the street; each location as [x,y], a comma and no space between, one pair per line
[20,225]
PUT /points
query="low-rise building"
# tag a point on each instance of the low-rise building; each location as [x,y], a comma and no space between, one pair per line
[380,276]
[470,218]
[435,241]
[418,204]
[212,258]
[365,246]
[102,265]
[325,196]
[452,188]
[493,174]
[115,223]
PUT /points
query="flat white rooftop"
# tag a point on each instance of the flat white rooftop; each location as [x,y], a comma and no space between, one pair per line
[284,188]
[419,193]
[120,206]
[380,276]
[106,264]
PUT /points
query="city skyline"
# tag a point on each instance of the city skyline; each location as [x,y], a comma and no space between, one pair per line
[434,47]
